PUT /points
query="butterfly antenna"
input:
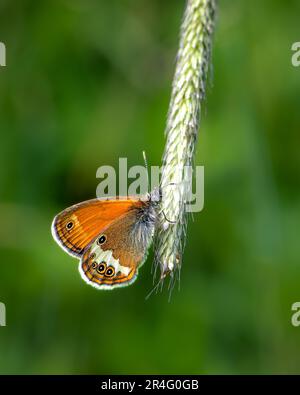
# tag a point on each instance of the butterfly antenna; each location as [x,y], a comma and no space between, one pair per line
[146,166]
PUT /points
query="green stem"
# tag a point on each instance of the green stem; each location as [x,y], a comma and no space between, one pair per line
[181,130]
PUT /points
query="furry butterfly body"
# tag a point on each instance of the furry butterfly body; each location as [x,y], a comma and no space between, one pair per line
[110,237]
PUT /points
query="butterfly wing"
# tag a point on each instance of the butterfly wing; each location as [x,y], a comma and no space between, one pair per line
[114,256]
[75,227]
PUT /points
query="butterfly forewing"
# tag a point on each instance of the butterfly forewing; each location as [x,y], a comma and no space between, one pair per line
[75,227]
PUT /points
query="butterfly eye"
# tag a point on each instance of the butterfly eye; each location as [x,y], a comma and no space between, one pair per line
[102,239]
[70,225]
[110,271]
[101,268]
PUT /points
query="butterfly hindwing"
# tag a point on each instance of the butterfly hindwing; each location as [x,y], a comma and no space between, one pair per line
[114,256]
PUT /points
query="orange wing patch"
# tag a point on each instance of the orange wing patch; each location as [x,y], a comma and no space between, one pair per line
[75,227]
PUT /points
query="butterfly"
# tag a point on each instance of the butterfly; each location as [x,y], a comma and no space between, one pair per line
[110,237]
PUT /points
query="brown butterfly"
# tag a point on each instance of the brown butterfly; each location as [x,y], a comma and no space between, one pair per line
[109,236]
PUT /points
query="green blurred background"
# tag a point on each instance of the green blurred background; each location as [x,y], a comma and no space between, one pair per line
[87,82]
